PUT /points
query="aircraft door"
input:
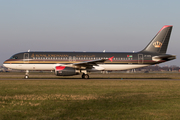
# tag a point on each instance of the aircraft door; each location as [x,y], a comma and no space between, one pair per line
[140,58]
[26,58]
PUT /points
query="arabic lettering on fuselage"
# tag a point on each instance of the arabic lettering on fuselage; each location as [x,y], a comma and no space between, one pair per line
[49,55]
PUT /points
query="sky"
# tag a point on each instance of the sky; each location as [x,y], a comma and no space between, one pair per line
[86,25]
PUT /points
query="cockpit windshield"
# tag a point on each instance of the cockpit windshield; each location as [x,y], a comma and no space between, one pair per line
[14,57]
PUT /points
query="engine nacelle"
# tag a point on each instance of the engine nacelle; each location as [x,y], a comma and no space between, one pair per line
[65,71]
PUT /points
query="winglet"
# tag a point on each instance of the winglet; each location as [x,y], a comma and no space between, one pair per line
[111,58]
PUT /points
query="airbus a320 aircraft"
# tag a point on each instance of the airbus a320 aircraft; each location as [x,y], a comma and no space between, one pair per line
[74,63]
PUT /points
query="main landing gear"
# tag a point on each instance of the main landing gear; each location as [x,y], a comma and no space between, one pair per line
[85,76]
[26,74]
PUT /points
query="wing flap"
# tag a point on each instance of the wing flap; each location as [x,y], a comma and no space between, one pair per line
[89,63]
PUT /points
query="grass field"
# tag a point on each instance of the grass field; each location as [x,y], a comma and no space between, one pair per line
[92,99]
[74,99]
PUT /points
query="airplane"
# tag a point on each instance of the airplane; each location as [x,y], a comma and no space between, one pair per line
[75,63]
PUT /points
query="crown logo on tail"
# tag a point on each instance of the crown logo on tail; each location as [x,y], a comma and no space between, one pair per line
[157,44]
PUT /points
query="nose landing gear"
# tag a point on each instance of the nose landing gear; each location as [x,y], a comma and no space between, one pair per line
[26,74]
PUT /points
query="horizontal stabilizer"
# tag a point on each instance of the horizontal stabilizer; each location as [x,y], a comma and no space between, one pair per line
[163,57]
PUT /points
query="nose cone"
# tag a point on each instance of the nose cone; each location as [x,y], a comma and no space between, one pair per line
[5,63]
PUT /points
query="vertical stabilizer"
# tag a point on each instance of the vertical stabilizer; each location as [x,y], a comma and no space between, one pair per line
[160,42]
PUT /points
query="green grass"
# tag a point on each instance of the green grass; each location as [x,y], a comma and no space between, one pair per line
[89,99]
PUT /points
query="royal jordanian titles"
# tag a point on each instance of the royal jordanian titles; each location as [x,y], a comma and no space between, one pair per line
[75,63]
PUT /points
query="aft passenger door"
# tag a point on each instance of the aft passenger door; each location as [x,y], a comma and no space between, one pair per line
[140,58]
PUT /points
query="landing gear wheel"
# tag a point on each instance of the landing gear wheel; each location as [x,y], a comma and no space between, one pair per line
[86,76]
[26,76]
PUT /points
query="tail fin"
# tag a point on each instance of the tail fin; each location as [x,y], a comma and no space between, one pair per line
[160,42]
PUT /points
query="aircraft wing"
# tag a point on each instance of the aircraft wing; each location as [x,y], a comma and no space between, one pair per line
[91,63]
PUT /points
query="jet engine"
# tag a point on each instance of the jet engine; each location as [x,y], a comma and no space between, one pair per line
[65,71]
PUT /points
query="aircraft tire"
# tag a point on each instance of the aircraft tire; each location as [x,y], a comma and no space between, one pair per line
[26,76]
[86,76]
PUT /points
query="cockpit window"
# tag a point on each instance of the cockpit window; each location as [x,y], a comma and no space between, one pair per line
[14,57]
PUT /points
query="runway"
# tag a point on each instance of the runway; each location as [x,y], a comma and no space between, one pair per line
[94,79]
[93,76]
